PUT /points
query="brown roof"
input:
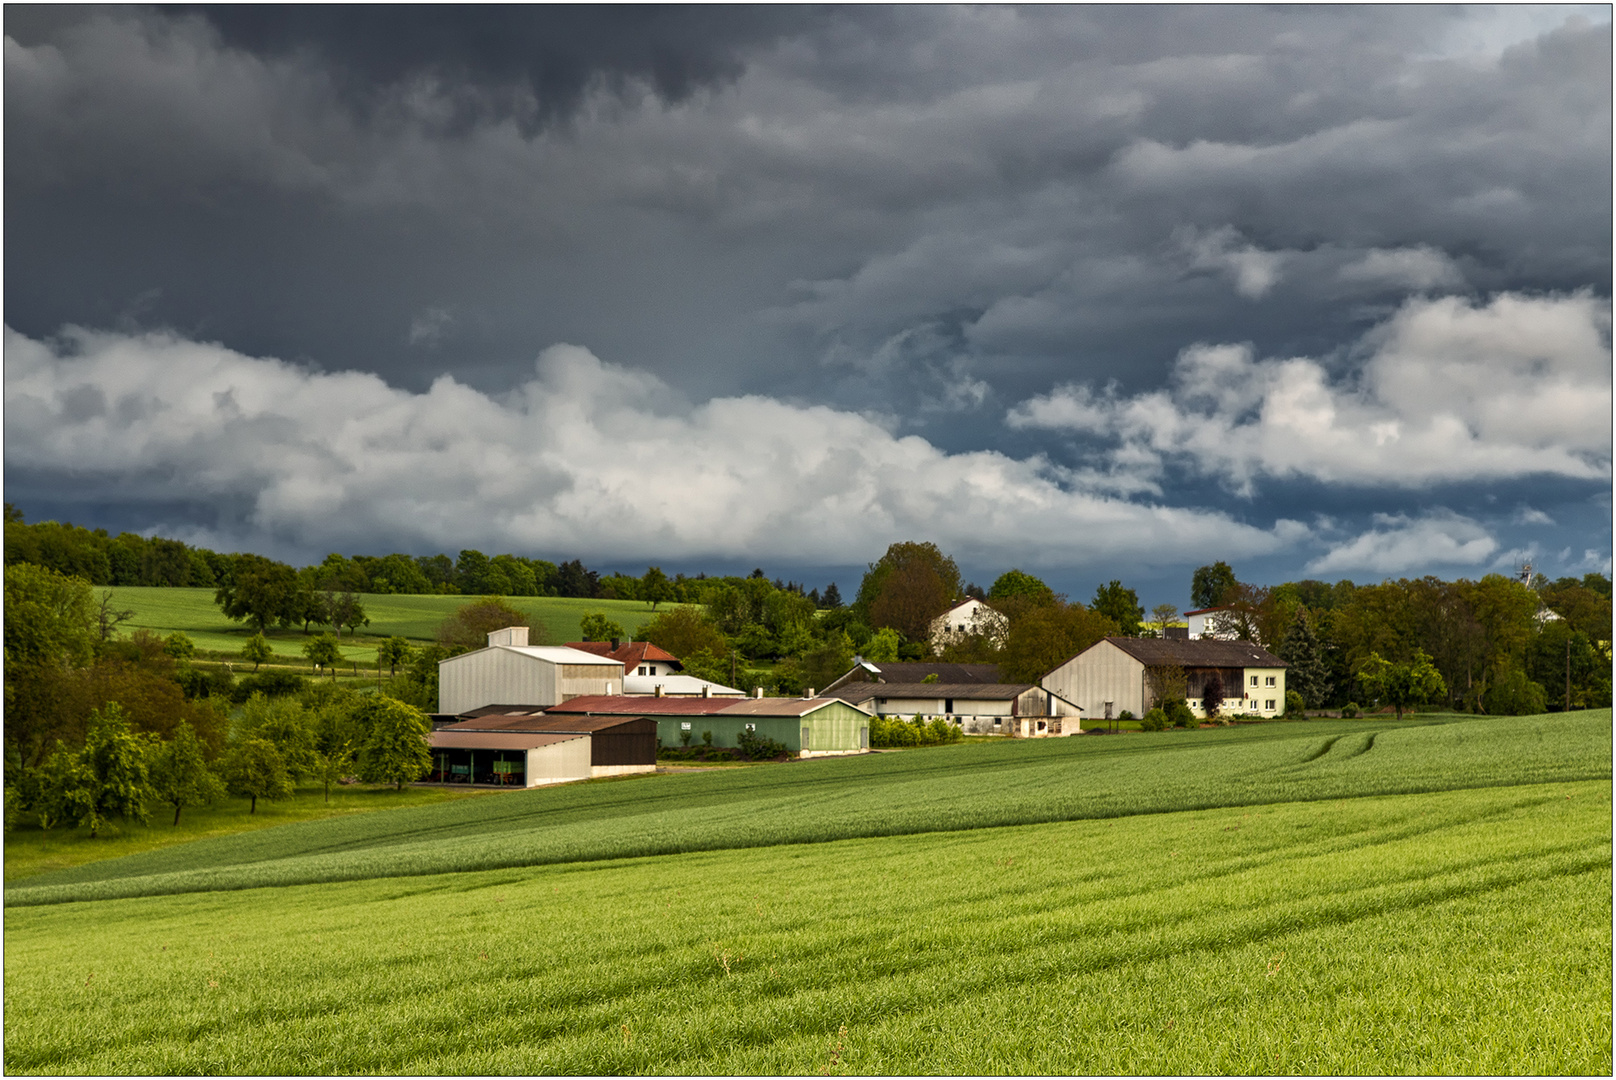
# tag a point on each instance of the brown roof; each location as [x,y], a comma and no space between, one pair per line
[628,653]
[575,723]
[641,705]
[500,710]
[1197,652]
[859,692]
[497,740]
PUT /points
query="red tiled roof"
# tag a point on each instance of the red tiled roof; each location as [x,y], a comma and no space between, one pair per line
[629,653]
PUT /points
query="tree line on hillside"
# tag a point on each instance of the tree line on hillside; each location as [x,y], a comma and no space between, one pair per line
[131,559]
[100,726]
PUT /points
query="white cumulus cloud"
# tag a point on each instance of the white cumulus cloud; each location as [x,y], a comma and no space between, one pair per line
[1401,544]
[583,457]
[1449,391]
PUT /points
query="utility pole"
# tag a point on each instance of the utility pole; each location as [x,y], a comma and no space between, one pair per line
[1568,674]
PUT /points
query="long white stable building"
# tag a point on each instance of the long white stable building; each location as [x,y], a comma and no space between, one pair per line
[512,672]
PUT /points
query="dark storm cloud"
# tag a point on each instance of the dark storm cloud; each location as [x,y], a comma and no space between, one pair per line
[944,216]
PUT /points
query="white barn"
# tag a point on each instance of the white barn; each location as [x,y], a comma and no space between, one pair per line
[512,672]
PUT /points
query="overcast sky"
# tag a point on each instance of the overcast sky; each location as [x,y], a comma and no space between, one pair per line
[1093,292]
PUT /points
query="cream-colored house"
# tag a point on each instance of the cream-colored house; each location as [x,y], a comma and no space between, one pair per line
[966,618]
[1121,673]
[512,672]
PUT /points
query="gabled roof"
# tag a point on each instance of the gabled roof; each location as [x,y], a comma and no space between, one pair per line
[854,693]
[1204,611]
[1197,652]
[641,705]
[628,653]
[781,706]
[915,671]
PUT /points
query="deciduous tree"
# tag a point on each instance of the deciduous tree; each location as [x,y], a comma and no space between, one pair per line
[393,652]
[180,775]
[254,769]
[1209,583]
[1412,682]
[394,750]
[595,626]
[471,624]
[257,650]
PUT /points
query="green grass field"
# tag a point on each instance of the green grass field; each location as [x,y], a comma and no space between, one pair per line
[415,617]
[1320,897]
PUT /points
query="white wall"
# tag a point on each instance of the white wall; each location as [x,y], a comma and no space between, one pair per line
[1097,675]
[558,762]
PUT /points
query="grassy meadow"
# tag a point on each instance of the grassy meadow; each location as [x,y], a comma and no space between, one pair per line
[1318,897]
[165,610]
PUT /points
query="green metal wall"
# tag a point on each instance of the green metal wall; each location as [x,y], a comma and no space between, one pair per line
[835,727]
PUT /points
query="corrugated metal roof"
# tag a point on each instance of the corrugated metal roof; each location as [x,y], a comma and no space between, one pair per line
[1197,652]
[781,706]
[554,654]
[857,692]
[641,705]
[500,710]
[449,739]
[575,723]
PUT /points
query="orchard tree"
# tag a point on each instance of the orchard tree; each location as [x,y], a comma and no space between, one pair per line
[393,652]
[179,646]
[1401,685]
[1163,617]
[109,777]
[257,650]
[394,749]
[254,769]
[180,775]
[323,652]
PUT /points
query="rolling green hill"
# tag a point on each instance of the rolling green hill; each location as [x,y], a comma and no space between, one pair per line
[193,611]
[1464,931]
[980,785]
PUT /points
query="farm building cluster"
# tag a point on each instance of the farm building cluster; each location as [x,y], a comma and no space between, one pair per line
[525,715]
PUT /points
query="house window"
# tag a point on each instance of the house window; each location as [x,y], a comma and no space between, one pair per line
[641,671]
[1270,681]
[995,721]
[948,704]
[1269,704]
[653,669]
[751,727]
[684,726]
[1254,680]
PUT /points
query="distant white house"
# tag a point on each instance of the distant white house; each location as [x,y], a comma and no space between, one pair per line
[512,672]
[965,619]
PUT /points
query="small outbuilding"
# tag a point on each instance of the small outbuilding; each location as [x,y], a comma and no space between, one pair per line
[605,746]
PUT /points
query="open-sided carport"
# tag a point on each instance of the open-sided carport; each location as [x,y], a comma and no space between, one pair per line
[520,759]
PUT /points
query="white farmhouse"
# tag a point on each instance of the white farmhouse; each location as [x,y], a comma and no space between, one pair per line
[512,672]
[965,619]
[1116,674]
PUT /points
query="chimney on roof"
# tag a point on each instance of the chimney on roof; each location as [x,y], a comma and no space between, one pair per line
[616,642]
[706,690]
[511,635]
[658,689]
[808,693]
[757,692]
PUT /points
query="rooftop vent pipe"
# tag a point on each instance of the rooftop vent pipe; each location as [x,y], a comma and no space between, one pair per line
[706,690]
[658,689]
[757,692]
